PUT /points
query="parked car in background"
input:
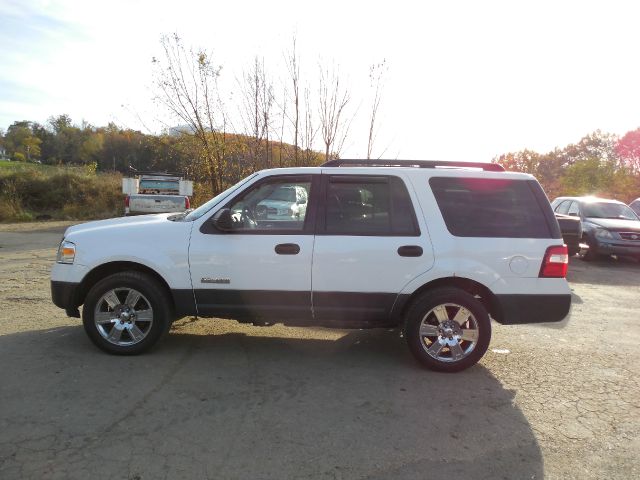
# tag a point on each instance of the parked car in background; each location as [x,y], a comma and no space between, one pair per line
[635,206]
[283,203]
[609,227]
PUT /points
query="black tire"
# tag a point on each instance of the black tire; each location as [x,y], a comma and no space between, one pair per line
[153,298]
[451,299]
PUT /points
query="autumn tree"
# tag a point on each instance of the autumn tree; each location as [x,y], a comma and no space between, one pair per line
[628,149]
[598,144]
[592,166]
[526,161]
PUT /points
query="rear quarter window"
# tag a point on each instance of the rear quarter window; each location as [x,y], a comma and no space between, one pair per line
[482,207]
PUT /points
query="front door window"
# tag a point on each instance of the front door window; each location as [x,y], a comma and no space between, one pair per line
[276,204]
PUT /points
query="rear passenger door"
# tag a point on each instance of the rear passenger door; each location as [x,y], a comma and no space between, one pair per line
[369,244]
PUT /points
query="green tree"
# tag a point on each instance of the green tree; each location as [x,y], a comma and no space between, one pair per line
[48,143]
[587,177]
[68,139]
[2,148]
[21,143]
[91,147]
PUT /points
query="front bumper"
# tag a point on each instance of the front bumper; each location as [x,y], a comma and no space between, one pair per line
[65,295]
[520,309]
[617,248]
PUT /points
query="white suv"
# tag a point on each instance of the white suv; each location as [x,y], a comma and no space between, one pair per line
[434,248]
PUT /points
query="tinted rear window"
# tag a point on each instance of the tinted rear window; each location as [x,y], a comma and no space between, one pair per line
[480,207]
[375,205]
[159,184]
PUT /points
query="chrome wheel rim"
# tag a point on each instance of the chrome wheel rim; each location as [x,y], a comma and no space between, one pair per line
[123,316]
[449,332]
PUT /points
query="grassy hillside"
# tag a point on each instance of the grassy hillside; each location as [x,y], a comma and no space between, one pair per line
[30,191]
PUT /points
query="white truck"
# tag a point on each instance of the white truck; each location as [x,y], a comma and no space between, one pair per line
[156,193]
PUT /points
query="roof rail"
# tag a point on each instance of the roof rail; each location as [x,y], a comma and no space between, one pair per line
[489,167]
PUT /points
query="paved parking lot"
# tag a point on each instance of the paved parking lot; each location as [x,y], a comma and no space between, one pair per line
[218,399]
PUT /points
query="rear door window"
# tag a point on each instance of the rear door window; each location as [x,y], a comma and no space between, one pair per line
[481,207]
[376,205]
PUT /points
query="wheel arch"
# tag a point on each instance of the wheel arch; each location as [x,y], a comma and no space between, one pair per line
[106,269]
[483,293]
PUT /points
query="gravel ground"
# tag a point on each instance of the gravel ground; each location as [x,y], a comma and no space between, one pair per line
[218,399]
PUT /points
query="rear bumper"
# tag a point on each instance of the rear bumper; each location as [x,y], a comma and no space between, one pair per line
[520,309]
[64,295]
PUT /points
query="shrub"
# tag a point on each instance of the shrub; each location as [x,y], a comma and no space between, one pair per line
[59,193]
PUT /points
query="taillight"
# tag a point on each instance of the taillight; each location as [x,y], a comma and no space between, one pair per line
[126,201]
[555,263]
[187,203]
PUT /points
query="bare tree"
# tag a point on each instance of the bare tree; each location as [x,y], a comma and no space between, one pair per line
[309,130]
[257,103]
[333,98]
[267,105]
[284,117]
[376,73]
[293,67]
[187,86]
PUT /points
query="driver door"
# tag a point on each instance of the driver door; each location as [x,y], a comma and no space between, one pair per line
[261,268]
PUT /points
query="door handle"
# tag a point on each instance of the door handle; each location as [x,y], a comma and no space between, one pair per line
[410,251]
[287,249]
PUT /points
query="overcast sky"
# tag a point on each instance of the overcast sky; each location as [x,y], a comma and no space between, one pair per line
[467,80]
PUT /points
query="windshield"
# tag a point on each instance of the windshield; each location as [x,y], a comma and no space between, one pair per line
[205,207]
[608,210]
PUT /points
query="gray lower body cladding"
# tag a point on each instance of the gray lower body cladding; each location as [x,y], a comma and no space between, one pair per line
[335,309]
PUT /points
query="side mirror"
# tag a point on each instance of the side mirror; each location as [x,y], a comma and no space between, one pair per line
[222,220]
[302,201]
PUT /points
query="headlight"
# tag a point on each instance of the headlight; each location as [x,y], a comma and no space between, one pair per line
[604,234]
[66,252]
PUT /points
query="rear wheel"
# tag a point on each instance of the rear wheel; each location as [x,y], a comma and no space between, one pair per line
[448,329]
[126,313]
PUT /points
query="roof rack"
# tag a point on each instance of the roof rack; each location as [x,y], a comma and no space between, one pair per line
[157,174]
[489,167]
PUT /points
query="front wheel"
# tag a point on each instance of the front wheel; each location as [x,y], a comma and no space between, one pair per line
[126,313]
[448,330]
